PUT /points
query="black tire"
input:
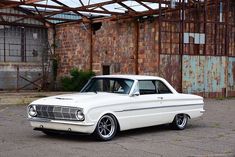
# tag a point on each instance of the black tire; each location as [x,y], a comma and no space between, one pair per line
[106,128]
[180,122]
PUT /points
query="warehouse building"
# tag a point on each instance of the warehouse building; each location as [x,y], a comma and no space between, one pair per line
[191,43]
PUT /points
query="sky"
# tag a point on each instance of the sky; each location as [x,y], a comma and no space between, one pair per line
[115,7]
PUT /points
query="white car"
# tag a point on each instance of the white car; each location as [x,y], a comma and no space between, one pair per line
[111,103]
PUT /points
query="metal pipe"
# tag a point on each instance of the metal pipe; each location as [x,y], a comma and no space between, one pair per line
[160,30]
[137,48]
[227,47]
[205,23]
[4,42]
[182,41]
[215,27]
[226,29]
[17,77]
[155,47]
[91,46]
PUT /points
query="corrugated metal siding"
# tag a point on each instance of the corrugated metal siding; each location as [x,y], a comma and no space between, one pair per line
[8,76]
[204,74]
[17,42]
[231,76]
[170,69]
[13,18]
[231,71]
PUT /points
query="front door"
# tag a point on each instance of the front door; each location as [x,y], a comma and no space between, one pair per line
[148,108]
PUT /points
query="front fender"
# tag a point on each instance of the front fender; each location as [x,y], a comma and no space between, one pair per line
[94,115]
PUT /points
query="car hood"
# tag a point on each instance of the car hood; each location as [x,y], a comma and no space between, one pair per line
[82,99]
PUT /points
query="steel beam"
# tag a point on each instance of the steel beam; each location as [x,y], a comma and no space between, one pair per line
[35,16]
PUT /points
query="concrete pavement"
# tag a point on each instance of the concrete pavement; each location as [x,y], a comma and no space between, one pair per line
[212,135]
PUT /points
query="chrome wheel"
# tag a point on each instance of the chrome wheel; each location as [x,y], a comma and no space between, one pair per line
[180,121]
[106,128]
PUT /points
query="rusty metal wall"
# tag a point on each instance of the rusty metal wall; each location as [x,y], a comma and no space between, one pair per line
[20,20]
[26,48]
[10,80]
[170,69]
[204,75]
[22,44]
[231,76]
[208,76]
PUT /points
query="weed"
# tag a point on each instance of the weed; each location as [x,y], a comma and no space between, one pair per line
[23,101]
[220,98]
[216,125]
[39,96]
[220,135]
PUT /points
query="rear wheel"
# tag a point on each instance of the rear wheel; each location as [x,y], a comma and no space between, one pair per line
[106,128]
[180,121]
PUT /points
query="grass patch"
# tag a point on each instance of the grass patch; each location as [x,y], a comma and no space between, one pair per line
[216,125]
[228,152]
[178,140]
[220,135]
[39,96]
[220,98]
[23,101]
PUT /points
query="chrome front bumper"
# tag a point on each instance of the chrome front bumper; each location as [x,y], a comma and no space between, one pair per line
[60,125]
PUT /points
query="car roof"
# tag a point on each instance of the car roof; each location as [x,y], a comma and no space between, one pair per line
[133,77]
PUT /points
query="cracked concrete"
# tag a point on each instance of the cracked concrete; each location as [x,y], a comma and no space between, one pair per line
[212,135]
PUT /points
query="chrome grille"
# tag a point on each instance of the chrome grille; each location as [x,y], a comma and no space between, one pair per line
[56,112]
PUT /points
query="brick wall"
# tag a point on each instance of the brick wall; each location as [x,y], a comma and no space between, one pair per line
[148,54]
[72,47]
[149,46]
[114,45]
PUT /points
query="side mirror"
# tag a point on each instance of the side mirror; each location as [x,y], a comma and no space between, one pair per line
[136,93]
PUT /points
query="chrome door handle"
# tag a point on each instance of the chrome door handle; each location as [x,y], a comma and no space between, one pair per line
[160,98]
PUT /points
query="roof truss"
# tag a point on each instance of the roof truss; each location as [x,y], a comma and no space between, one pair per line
[49,13]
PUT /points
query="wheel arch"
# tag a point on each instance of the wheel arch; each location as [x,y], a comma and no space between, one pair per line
[113,115]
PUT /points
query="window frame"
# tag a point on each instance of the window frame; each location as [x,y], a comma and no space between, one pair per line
[90,83]
[155,86]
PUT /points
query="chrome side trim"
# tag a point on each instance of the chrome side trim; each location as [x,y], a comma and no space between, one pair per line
[157,107]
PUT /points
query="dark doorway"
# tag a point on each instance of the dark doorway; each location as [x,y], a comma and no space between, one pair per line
[106,69]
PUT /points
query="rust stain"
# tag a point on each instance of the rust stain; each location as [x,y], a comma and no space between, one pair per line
[233,70]
[170,69]
[204,74]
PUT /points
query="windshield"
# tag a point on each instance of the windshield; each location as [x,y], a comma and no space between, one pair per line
[110,85]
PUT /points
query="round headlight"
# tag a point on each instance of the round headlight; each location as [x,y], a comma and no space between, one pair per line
[32,111]
[79,115]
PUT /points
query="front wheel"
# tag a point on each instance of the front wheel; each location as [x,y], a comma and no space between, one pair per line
[106,128]
[180,121]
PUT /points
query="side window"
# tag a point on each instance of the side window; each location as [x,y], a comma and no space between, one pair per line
[122,86]
[162,88]
[147,87]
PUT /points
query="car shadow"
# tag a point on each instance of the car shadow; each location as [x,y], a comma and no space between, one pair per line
[69,137]
[145,130]
[123,134]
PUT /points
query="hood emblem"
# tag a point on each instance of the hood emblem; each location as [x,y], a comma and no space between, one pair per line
[64,98]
